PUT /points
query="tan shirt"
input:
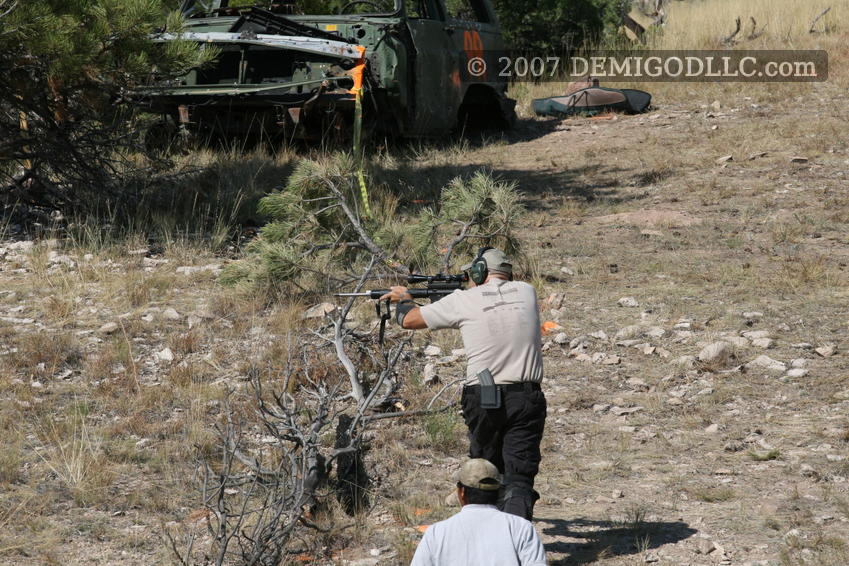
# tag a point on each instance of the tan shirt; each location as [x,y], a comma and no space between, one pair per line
[499,322]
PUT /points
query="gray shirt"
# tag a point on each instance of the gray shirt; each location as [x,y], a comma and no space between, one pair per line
[499,322]
[480,535]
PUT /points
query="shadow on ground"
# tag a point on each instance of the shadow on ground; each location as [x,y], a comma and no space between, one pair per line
[588,540]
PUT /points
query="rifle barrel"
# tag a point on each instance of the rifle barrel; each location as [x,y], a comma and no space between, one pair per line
[432,293]
[365,294]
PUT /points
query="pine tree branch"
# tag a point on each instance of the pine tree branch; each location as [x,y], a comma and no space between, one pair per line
[366,240]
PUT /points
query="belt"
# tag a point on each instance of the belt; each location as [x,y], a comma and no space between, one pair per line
[522,386]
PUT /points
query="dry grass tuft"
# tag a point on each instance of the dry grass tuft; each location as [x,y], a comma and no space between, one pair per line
[73,454]
[42,355]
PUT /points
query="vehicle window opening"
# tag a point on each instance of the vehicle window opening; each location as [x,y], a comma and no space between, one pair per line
[422,9]
[467,10]
[235,8]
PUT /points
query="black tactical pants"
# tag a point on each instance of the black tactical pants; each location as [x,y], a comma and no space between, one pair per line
[509,437]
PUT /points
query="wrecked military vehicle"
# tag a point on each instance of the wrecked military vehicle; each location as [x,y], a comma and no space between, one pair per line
[292,69]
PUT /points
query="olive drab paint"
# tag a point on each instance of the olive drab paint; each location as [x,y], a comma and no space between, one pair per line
[285,75]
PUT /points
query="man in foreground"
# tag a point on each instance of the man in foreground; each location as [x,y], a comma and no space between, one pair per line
[503,405]
[480,534]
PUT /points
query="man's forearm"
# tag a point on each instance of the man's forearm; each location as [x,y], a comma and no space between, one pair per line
[413,320]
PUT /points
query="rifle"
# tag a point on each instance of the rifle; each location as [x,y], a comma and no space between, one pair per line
[437,287]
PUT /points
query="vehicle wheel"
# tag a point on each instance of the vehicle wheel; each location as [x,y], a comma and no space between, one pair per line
[160,137]
[165,138]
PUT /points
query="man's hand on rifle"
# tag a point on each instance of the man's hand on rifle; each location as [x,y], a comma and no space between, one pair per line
[397,294]
[407,313]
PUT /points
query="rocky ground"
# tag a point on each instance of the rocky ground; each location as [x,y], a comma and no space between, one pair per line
[691,265]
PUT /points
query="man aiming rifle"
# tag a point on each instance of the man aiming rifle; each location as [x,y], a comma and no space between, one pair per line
[502,402]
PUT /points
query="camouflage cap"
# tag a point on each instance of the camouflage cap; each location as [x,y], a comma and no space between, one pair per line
[480,474]
[496,260]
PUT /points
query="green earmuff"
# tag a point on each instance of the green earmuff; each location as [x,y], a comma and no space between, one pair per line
[479,269]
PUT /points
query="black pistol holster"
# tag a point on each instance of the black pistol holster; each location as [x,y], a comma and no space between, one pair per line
[490,393]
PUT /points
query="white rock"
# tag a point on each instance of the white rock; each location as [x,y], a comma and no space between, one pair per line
[629,332]
[561,338]
[808,471]
[637,383]
[767,363]
[171,314]
[753,315]
[764,343]
[799,363]
[623,411]
[429,376]
[712,429]
[656,332]
[165,355]
[566,271]
[458,352]
[756,334]
[803,346]
[579,342]
[686,362]
[319,310]
[718,352]
[705,547]
[598,357]
[826,351]
[190,269]
[152,262]
[447,360]
[108,328]
[433,350]
[586,358]
[600,407]
[628,302]
[600,335]
[14,320]
[797,372]
[55,258]
[22,246]
[738,341]
[683,325]
[611,360]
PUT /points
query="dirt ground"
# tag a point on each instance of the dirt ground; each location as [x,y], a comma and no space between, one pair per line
[648,244]
[652,455]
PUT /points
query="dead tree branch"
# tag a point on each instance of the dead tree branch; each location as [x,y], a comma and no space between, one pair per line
[731,39]
[755,33]
[365,239]
[7,10]
[461,236]
[813,28]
